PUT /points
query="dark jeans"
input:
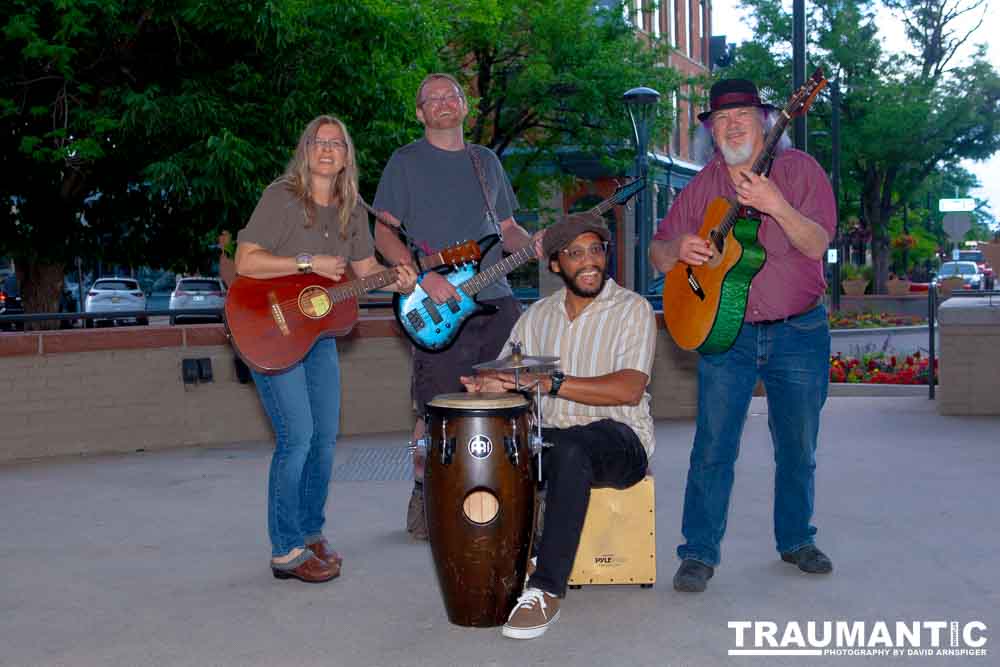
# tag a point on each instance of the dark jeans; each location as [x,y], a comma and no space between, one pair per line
[481,340]
[793,360]
[603,453]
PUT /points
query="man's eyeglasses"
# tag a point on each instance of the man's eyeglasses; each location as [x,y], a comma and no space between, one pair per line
[328,144]
[435,101]
[577,253]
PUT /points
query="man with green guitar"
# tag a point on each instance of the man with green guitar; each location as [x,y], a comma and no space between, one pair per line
[784,197]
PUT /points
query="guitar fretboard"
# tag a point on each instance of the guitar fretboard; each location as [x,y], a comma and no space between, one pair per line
[498,270]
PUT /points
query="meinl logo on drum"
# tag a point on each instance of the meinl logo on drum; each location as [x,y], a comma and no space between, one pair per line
[480,446]
[883,639]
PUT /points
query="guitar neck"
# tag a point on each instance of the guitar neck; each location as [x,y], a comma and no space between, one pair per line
[498,270]
[356,288]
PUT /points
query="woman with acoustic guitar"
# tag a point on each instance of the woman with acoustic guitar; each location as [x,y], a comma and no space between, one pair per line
[310,220]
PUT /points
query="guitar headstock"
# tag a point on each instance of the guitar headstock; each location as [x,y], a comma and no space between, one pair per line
[620,196]
[467,251]
[802,99]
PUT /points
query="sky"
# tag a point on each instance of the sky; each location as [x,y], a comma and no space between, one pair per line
[729,19]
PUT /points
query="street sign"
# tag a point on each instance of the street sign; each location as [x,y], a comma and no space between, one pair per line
[955,254]
[956,224]
[831,255]
[956,205]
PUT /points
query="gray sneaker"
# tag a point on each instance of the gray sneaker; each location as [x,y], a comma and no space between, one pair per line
[534,612]
[416,522]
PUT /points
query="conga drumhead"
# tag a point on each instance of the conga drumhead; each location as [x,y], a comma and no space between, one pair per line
[479,401]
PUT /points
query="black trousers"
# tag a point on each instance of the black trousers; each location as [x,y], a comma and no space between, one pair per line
[600,454]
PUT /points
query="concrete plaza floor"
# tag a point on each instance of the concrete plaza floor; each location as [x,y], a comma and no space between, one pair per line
[162,558]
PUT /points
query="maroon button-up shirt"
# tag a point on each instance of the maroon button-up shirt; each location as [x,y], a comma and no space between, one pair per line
[789,282]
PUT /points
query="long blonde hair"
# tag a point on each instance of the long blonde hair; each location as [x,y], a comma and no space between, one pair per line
[343,189]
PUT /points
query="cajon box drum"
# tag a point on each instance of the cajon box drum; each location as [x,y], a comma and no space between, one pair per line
[618,544]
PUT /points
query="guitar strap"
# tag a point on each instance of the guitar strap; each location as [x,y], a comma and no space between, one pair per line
[477,166]
[399,228]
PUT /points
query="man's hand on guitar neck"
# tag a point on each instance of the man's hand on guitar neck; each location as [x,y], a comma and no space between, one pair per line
[437,288]
[688,248]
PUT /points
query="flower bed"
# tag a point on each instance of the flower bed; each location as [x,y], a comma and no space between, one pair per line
[881,368]
[848,320]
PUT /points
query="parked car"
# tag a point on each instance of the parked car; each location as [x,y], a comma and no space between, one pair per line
[968,271]
[10,302]
[977,256]
[200,293]
[108,296]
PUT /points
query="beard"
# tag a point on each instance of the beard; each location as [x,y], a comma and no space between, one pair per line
[581,292]
[737,155]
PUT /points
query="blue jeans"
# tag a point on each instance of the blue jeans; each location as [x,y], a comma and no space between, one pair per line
[792,358]
[303,404]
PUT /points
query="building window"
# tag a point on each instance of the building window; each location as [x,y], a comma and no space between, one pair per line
[671,9]
[687,25]
[654,15]
[702,23]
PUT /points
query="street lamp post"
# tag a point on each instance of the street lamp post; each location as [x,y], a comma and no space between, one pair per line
[641,104]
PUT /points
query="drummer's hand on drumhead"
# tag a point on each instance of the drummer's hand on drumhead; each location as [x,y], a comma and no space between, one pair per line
[482,383]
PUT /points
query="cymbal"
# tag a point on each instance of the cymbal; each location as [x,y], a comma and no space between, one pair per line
[517,362]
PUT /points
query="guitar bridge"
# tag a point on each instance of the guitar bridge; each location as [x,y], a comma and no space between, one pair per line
[695,286]
[277,314]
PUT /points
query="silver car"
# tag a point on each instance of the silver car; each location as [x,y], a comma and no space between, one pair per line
[198,293]
[968,271]
[108,296]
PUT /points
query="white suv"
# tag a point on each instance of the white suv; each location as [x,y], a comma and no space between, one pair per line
[109,296]
[198,293]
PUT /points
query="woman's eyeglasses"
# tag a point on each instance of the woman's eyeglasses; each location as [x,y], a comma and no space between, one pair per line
[577,253]
[328,144]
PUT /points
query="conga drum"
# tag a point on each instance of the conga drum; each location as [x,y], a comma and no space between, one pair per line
[479,502]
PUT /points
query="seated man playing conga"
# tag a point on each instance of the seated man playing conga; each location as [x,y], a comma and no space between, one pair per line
[595,410]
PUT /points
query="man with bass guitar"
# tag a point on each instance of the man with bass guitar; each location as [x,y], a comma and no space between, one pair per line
[443,190]
[784,339]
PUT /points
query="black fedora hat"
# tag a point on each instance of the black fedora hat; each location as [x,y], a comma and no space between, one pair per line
[729,93]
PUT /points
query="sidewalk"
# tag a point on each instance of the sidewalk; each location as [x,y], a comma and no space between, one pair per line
[161,559]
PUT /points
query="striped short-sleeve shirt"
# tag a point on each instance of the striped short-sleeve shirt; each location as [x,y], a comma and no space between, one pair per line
[616,331]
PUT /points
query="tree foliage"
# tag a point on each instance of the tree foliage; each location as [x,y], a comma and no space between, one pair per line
[905,117]
[134,132]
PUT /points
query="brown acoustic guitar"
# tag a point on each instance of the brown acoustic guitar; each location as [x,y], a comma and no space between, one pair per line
[704,305]
[273,323]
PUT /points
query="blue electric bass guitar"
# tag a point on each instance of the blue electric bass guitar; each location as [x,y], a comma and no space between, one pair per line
[433,327]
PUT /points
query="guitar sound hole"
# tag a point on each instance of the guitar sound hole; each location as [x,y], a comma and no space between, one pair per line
[314,302]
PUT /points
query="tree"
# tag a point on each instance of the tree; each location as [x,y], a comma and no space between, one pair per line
[904,117]
[136,132]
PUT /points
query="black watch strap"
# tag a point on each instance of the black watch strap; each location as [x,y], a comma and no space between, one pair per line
[557,379]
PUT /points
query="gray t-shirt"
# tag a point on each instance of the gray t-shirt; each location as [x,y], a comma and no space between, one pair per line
[440,200]
[278,225]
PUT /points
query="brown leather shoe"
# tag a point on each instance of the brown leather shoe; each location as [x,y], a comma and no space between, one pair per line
[311,571]
[324,551]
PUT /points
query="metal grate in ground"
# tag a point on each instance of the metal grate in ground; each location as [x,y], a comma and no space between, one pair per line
[375,464]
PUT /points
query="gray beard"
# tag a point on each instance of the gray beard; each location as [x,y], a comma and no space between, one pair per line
[736,156]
